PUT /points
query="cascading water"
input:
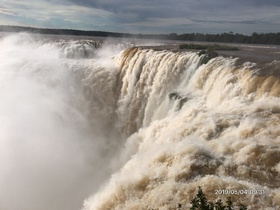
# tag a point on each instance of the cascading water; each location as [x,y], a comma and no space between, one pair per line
[67,108]
[53,112]
[214,125]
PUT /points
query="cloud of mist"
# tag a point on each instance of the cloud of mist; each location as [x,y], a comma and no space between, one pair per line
[50,155]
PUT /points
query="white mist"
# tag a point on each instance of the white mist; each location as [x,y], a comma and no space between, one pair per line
[49,152]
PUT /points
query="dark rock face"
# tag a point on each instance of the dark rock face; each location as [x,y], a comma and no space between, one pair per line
[202,52]
[174,95]
[177,96]
[208,55]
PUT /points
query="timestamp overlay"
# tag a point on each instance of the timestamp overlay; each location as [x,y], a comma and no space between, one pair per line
[239,192]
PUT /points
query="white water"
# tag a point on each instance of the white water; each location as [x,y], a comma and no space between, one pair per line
[53,153]
[219,130]
[67,108]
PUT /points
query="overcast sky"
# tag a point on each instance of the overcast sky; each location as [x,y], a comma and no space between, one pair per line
[145,16]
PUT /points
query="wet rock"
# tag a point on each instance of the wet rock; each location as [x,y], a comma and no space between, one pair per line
[208,55]
[177,96]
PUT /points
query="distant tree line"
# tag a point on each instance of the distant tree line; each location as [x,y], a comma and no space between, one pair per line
[60,31]
[255,38]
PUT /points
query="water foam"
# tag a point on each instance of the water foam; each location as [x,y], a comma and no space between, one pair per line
[219,130]
[53,153]
[68,106]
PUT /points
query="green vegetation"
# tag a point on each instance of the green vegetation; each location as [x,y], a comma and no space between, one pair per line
[200,203]
[207,47]
[60,31]
[193,46]
[255,38]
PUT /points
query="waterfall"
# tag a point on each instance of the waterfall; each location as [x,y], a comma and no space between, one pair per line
[189,124]
[122,127]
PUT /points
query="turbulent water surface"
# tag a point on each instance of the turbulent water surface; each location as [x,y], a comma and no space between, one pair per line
[123,127]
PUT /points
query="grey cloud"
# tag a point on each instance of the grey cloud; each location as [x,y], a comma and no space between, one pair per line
[143,9]
[146,9]
[232,22]
[160,15]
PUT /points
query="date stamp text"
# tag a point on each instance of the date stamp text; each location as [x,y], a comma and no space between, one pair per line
[240,192]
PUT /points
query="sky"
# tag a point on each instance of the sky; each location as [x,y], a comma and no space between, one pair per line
[146,16]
